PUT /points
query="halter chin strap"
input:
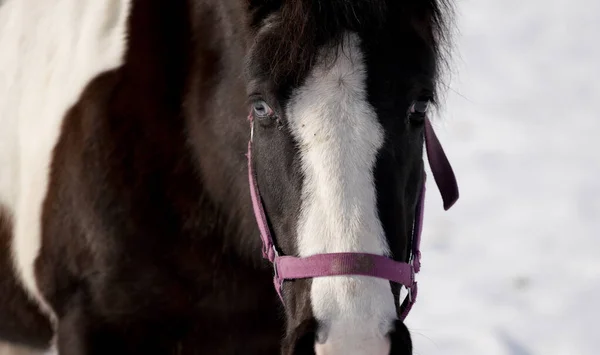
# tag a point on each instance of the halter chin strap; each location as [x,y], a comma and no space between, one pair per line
[362,264]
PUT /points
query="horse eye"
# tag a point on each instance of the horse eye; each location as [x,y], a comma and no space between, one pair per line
[418,110]
[261,109]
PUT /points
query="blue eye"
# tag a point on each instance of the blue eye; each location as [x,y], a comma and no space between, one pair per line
[261,109]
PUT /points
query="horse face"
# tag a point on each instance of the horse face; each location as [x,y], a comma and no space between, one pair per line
[338,137]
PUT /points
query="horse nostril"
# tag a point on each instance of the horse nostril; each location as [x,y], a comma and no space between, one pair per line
[301,340]
[321,334]
[400,341]
[305,345]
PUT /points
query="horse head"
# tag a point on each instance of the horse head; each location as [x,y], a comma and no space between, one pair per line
[338,94]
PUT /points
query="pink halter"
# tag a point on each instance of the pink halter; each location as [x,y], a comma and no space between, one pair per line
[363,264]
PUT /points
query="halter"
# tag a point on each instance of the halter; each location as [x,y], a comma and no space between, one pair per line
[361,264]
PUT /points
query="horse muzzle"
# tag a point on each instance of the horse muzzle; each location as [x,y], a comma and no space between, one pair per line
[305,341]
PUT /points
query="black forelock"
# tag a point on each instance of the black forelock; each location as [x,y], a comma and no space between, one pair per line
[300,27]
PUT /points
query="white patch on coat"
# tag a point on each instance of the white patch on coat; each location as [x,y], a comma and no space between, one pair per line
[50,50]
[339,136]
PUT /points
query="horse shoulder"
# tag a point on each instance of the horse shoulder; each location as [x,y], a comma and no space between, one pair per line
[50,52]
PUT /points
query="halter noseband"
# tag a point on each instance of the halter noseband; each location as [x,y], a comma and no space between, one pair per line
[361,264]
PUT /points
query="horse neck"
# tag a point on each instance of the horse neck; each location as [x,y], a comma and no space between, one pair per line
[184,64]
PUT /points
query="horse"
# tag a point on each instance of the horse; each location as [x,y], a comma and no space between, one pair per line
[215,176]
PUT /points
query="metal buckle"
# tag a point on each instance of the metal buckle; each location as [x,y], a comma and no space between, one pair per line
[252,131]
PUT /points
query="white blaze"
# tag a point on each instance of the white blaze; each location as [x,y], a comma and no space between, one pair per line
[339,137]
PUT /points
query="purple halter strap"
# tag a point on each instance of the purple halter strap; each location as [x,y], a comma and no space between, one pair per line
[362,264]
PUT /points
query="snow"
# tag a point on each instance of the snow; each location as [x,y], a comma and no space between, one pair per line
[514,267]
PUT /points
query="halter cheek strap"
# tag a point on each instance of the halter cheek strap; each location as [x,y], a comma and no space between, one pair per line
[362,264]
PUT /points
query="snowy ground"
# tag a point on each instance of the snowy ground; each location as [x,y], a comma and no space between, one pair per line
[514,267]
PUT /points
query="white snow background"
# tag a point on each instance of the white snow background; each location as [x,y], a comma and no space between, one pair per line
[514,267]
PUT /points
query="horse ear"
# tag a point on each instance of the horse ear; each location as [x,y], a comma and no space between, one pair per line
[400,339]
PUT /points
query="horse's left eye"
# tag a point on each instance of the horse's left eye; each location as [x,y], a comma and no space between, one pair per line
[418,109]
[261,109]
